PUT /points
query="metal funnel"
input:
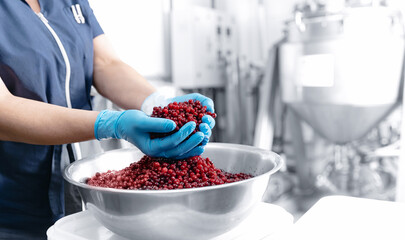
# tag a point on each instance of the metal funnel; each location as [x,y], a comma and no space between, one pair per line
[341,123]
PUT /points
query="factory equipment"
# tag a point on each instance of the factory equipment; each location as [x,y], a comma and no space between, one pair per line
[205,60]
[339,69]
[201,39]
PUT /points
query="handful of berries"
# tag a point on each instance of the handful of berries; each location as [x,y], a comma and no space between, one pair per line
[181,113]
[151,173]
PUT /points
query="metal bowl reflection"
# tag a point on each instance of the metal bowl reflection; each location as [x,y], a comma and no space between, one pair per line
[197,213]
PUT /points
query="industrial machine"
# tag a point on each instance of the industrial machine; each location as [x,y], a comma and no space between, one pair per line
[205,60]
[338,74]
[341,71]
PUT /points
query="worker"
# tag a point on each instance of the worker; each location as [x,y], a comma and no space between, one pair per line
[51,53]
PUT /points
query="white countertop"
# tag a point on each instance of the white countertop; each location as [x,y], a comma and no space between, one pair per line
[341,217]
[333,217]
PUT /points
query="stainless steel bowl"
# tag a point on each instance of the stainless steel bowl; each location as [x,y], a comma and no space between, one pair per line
[197,213]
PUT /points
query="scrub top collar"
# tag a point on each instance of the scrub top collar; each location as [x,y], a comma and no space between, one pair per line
[41,7]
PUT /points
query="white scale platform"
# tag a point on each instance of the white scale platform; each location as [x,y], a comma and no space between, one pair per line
[266,220]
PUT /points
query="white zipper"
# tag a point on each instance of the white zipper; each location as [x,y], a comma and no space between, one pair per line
[65,58]
[76,145]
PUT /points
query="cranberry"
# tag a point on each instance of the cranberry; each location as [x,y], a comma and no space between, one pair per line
[181,113]
[160,173]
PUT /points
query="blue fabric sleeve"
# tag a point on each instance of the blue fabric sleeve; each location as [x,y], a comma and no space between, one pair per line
[95,26]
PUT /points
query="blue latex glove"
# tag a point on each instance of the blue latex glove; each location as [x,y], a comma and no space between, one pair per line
[208,122]
[135,126]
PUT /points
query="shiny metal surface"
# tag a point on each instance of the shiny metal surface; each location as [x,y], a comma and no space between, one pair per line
[198,213]
[342,72]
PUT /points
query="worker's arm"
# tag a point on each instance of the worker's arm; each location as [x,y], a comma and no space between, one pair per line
[120,83]
[29,121]
[116,80]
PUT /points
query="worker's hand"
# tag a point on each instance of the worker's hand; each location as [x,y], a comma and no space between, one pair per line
[208,122]
[135,127]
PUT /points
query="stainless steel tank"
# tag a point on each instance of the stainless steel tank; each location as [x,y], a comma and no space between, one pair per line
[340,68]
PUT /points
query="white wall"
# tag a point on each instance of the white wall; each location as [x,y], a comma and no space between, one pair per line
[186,3]
[138,30]
[276,13]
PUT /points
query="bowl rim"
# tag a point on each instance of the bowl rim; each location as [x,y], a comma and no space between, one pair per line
[275,158]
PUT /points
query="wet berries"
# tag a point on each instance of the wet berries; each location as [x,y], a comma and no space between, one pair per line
[181,113]
[161,174]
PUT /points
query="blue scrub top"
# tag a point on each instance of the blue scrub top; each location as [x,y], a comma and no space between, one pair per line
[32,66]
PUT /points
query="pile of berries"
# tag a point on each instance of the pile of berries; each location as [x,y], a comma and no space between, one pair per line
[181,113]
[162,174]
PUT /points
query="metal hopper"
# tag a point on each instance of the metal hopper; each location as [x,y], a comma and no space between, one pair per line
[341,72]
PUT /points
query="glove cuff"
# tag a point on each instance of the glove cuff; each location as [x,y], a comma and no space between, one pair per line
[153,100]
[105,125]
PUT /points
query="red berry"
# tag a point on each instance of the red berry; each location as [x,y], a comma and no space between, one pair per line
[159,173]
[151,173]
[181,113]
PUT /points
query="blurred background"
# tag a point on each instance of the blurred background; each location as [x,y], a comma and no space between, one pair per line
[319,82]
